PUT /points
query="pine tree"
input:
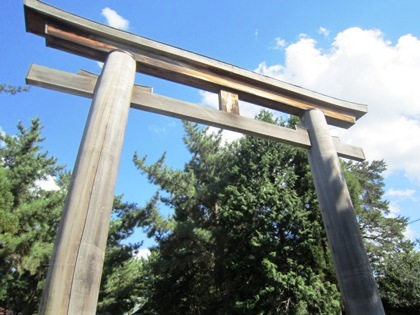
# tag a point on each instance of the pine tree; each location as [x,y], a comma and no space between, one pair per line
[123,278]
[246,235]
[183,281]
[32,213]
[29,217]
[273,224]
[399,283]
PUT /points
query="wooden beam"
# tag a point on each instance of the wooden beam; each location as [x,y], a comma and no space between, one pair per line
[94,76]
[84,85]
[80,36]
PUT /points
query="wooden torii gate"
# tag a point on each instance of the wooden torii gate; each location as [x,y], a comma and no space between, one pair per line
[73,279]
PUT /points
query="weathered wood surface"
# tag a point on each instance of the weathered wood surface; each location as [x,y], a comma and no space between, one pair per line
[80,36]
[74,275]
[354,274]
[229,102]
[83,85]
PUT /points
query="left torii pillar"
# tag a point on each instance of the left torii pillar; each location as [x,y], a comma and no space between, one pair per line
[74,275]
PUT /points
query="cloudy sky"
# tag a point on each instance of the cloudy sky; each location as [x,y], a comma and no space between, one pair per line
[362,52]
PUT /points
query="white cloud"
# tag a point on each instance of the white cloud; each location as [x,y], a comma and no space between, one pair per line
[143,253]
[363,67]
[400,193]
[157,129]
[209,99]
[324,31]
[394,210]
[114,19]
[280,43]
[410,233]
[47,184]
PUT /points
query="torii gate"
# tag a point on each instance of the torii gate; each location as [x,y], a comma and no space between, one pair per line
[73,280]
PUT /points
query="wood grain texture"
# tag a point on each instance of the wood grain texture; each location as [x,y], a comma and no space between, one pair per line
[144,100]
[74,275]
[80,36]
[354,274]
[229,102]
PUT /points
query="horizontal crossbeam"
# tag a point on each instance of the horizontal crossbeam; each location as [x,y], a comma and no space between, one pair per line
[83,84]
[80,36]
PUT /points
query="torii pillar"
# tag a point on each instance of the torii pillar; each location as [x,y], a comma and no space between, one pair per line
[81,240]
[354,274]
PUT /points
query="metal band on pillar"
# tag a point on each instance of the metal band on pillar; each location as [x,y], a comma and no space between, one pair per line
[74,276]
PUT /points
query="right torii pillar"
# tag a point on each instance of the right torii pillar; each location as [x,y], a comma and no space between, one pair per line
[354,274]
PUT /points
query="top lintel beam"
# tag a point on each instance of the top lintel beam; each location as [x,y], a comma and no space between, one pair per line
[81,36]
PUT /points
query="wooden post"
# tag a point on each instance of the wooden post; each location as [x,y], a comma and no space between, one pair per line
[229,102]
[355,278]
[74,275]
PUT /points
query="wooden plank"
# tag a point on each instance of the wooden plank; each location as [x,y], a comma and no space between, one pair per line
[144,100]
[80,85]
[93,40]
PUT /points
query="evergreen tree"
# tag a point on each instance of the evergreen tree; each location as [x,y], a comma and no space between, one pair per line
[27,236]
[123,278]
[183,281]
[399,283]
[246,236]
[273,223]
[29,217]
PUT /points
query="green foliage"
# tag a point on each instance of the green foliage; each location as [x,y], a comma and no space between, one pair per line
[246,231]
[12,89]
[246,235]
[183,270]
[123,279]
[122,288]
[8,222]
[29,217]
[273,224]
[31,213]
[400,283]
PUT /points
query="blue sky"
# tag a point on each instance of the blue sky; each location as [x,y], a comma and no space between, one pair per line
[362,51]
